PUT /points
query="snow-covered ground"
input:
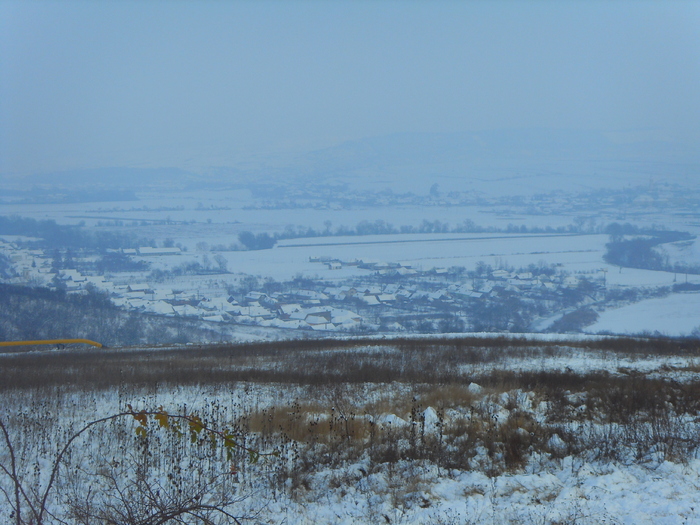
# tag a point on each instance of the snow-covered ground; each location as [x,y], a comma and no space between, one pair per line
[551,487]
[684,252]
[565,491]
[576,253]
[676,314]
[234,203]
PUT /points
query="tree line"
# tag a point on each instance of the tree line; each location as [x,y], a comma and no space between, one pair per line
[51,235]
[264,241]
[633,247]
[28,313]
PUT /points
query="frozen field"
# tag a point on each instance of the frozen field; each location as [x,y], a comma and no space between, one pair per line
[677,314]
[290,258]
[686,252]
[227,207]
[194,208]
[431,252]
[575,253]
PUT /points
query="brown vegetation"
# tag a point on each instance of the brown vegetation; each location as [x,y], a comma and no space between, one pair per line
[387,405]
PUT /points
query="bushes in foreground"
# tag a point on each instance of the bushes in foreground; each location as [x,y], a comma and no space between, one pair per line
[342,411]
[344,433]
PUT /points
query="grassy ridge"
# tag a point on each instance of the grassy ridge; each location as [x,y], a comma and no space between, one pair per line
[311,362]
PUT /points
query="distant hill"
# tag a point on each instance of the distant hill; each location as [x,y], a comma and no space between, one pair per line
[496,162]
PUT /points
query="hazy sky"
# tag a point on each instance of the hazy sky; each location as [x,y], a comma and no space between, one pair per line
[90,84]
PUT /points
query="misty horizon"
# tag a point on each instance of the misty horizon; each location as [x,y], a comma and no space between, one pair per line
[192,86]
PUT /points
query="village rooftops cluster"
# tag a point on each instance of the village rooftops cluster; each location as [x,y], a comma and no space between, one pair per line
[385,297]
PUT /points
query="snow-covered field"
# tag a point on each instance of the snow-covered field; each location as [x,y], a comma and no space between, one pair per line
[674,315]
[186,207]
[686,252]
[566,491]
[284,262]
[575,253]
[289,258]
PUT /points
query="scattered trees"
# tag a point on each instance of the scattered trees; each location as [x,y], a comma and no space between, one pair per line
[640,251]
[6,271]
[119,262]
[260,241]
[40,313]
[52,235]
[574,321]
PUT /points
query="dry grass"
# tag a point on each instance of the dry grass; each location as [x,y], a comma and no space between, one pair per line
[349,386]
[317,362]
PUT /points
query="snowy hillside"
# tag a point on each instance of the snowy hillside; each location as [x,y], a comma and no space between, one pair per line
[421,431]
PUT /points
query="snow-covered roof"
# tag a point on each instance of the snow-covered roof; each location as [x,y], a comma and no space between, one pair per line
[288,309]
[187,310]
[138,303]
[161,308]
[73,275]
[325,326]
[391,288]
[370,299]
[161,294]
[256,311]
[216,303]
[317,319]
[311,294]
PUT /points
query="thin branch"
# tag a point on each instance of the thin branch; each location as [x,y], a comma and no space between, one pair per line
[13,475]
[19,489]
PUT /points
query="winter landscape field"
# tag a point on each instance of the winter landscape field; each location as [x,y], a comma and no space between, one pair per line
[319,263]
